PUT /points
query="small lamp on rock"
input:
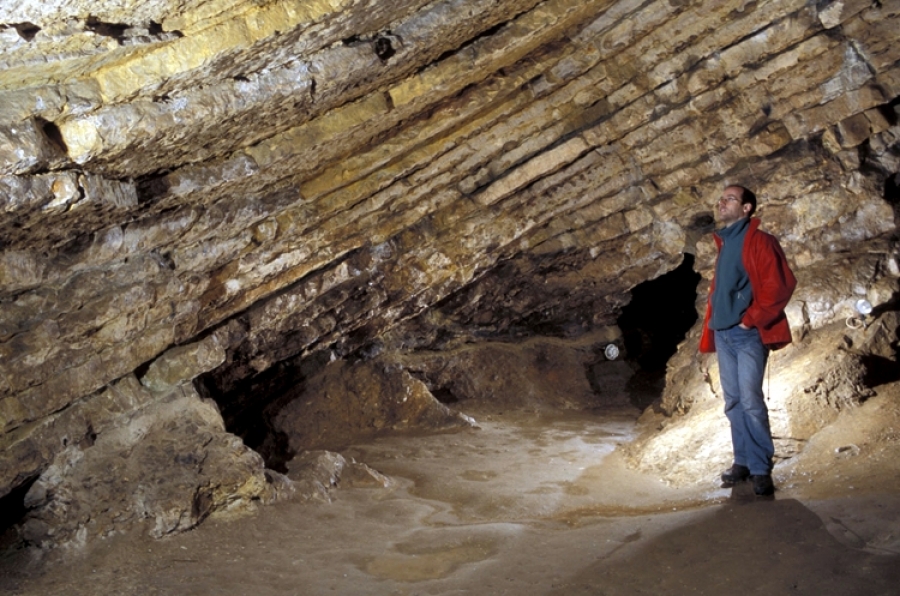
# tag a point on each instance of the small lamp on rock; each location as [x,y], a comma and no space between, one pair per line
[611,352]
[864,308]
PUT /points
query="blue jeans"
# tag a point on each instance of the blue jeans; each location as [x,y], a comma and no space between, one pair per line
[742,365]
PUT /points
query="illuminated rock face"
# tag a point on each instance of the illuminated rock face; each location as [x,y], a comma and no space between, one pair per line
[267,182]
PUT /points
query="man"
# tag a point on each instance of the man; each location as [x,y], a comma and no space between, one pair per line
[744,320]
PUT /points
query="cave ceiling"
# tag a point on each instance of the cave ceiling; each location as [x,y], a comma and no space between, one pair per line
[281,178]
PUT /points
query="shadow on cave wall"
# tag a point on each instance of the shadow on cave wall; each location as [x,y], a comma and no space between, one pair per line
[657,319]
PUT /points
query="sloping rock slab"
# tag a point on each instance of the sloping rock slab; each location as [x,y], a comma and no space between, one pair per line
[349,401]
[168,468]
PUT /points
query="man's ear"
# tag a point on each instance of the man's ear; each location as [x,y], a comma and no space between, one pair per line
[747,207]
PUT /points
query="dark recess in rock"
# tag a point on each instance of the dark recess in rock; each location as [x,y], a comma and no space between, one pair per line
[383,47]
[659,316]
[12,510]
[114,30]
[26,31]
[248,407]
[880,370]
[53,134]
[487,33]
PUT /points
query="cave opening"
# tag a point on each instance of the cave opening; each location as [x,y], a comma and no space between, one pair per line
[248,406]
[26,30]
[892,193]
[12,514]
[658,318]
[54,135]
[651,333]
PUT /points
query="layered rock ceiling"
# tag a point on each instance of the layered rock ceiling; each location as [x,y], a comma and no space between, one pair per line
[226,189]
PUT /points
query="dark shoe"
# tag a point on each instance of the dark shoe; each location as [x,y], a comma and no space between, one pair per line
[762,485]
[736,473]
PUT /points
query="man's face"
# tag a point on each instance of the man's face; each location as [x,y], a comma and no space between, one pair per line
[729,208]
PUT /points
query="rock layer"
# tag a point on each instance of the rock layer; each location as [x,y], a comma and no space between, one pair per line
[270,180]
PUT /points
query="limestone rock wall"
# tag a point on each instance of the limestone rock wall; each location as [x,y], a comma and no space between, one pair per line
[346,403]
[164,467]
[273,179]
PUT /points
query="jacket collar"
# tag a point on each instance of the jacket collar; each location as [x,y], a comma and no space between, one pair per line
[754,224]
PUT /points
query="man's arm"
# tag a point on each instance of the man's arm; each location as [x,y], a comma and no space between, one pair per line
[772,280]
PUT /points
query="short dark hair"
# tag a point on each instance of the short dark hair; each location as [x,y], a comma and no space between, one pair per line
[747,196]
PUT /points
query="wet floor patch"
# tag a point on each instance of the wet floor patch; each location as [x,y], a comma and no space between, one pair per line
[479,475]
[521,466]
[413,562]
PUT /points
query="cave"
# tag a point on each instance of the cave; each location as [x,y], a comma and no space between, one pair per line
[659,316]
[13,510]
[407,297]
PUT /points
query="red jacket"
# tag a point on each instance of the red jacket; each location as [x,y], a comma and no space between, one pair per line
[772,283]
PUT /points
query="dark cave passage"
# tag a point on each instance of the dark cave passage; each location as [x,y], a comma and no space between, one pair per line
[659,316]
[247,407]
[657,319]
[12,512]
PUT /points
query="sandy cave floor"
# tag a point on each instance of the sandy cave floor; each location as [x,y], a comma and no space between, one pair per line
[533,504]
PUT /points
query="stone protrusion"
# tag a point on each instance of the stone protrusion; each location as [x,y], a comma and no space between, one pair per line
[315,474]
[24,148]
[347,402]
[182,364]
[164,468]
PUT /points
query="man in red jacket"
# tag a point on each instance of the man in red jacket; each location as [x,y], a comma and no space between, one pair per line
[744,320]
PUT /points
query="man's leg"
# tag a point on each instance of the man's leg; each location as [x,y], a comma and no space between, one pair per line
[728,378]
[752,356]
